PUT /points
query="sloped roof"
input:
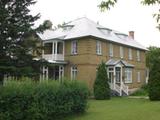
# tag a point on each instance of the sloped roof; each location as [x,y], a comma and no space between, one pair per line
[85,27]
[113,62]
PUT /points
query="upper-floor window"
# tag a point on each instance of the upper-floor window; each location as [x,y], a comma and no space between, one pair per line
[74,72]
[98,48]
[128,75]
[48,48]
[138,77]
[121,52]
[74,47]
[111,50]
[138,55]
[59,48]
[130,54]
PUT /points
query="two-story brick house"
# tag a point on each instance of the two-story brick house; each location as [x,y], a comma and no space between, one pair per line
[76,49]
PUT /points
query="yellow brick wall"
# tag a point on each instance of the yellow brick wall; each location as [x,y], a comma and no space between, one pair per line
[87,60]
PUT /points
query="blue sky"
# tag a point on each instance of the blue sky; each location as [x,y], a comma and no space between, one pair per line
[125,16]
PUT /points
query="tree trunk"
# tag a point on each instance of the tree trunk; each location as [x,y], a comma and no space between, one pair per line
[1,78]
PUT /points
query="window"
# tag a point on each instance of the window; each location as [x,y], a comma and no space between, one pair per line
[73,72]
[138,77]
[118,74]
[121,52]
[59,48]
[138,55]
[111,50]
[48,48]
[98,48]
[111,74]
[128,75]
[130,54]
[74,47]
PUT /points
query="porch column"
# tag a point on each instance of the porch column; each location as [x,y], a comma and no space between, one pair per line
[121,83]
[53,50]
[56,43]
[114,79]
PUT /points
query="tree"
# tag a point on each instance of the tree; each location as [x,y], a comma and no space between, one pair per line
[101,85]
[18,39]
[107,4]
[153,63]
[152,55]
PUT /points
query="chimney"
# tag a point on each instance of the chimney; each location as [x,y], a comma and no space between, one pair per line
[131,34]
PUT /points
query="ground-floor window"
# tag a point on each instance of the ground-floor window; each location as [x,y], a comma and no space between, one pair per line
[138,77]
[74,72]
[128,75]
[111,74]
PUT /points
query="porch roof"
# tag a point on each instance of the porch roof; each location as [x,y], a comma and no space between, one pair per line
[113,62]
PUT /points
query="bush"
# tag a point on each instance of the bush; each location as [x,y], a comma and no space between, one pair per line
[101,85]
[27,100]
[143,91]
[154,81]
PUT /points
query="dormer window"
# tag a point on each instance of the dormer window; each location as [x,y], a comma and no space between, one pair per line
[67,27]
[105,31]
[121,35]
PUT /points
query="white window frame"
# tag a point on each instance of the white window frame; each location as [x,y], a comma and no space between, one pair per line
[74,47]
[98,48]
[130,54]
[111,50]
[74,72]
[138,55]
[128,75]
[138,76]
[121,52]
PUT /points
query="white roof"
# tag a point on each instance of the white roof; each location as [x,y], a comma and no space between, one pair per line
[85,27]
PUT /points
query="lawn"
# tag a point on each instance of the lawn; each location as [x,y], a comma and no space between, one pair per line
[121,109]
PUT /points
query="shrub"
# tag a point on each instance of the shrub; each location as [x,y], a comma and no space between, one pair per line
[101,86]
[154,81]
[143,91]
[50,100]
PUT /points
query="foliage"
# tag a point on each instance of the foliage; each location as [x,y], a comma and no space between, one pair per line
[152,54]
[143,91]
[154,80]
[18,39]
[28,100]
[107,4]
[101,85]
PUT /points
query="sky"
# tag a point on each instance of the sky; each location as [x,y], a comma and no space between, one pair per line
[126,15]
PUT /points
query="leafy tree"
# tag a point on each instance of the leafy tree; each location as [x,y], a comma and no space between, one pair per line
[107,4]
[153,63]
[18,39]
[152,55]
[154,81]
[101,85]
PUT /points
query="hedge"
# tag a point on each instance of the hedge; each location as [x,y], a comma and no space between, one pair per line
[27,100]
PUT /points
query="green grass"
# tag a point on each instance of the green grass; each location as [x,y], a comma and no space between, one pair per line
[120,109]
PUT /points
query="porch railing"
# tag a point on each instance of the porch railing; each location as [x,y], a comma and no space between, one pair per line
[53,56]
